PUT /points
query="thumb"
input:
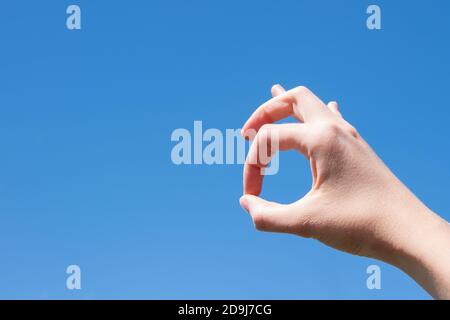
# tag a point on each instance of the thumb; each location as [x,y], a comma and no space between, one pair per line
[268,216]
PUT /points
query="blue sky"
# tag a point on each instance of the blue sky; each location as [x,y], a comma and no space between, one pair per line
[86,117]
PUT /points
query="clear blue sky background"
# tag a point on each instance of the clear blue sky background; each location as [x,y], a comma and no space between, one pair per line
[86,117]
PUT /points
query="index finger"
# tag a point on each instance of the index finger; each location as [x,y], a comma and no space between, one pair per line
[299,102]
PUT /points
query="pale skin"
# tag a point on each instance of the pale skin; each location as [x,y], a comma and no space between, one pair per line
[356,204]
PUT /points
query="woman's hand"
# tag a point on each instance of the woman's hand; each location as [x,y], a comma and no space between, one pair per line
[356,204]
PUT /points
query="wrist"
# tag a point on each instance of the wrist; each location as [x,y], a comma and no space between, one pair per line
[421,249]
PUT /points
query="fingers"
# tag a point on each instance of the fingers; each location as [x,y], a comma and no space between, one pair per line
[268,216]
[296,218]
[299,102]
[277,90]
[269,140]
[334,107]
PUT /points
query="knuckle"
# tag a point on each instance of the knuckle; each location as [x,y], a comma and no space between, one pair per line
[329,131]
[352,130]
[326,136]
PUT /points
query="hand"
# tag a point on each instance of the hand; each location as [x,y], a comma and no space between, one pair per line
[356,204]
